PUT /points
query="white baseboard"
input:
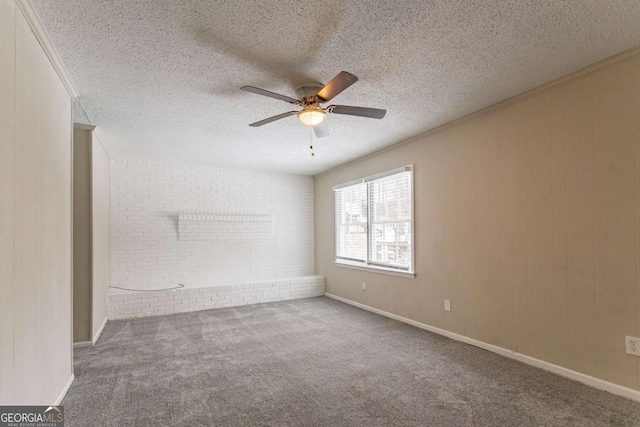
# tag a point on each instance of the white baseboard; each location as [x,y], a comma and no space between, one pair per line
[82,344]
[559,370]
[95,338]
[64,391]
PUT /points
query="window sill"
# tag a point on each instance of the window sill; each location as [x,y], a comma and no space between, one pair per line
[376,269]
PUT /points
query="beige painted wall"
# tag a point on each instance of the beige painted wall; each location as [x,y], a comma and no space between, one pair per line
[35,219]
[101,229]
[82,298]
[526,219]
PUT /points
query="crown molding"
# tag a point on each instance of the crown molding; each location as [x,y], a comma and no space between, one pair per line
[38,29]
[98,134]
[582,72]
[83,126]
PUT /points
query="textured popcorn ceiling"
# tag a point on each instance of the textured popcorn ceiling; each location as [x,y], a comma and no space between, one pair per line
[161,78]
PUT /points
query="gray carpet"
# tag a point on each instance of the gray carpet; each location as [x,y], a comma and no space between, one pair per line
[315,362]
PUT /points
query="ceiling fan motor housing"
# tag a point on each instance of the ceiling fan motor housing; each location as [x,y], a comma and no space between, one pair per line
[308,90]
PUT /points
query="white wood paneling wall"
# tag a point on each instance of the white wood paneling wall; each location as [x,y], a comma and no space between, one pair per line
[35,218]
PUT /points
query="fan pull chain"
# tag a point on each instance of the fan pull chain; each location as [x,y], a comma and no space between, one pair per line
[311,141]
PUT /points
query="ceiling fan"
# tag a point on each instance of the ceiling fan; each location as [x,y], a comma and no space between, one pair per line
[312,95]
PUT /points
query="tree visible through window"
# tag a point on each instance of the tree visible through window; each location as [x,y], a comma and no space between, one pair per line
[374,221]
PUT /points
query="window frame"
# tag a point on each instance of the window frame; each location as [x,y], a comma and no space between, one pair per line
[368,264]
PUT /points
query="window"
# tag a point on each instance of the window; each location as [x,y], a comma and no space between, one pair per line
[374,221]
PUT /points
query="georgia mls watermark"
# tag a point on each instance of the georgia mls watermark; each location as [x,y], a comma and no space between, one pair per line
[31,416]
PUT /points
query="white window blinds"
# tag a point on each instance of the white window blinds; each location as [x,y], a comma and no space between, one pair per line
[351,222]
[390,221]
[374,221]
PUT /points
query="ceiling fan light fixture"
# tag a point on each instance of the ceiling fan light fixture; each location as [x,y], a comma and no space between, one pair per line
[312,116]
[311,96]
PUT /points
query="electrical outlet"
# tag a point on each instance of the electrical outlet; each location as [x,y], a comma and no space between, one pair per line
[364,286]
[447,305]
[633,346]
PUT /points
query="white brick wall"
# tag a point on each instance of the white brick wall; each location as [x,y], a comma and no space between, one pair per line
[225,228]
[148,197]
[128,305]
